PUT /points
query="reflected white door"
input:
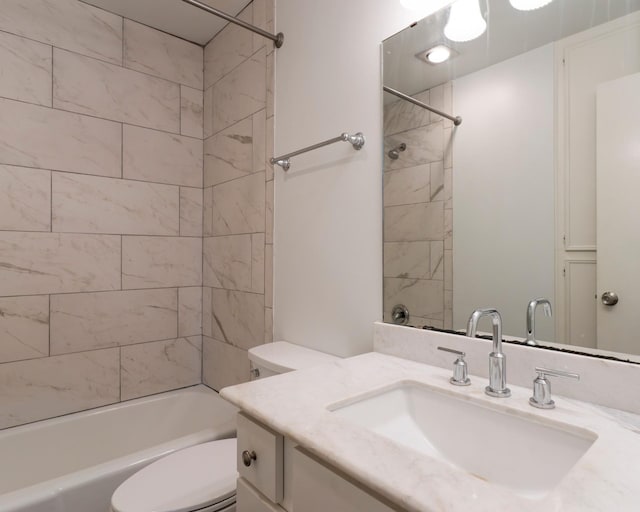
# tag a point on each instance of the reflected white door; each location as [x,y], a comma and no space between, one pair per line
[618,213]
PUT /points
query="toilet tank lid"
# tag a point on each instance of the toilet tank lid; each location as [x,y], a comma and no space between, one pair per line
[282,357]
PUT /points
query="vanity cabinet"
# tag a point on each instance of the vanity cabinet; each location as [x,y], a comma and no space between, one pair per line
[277,476]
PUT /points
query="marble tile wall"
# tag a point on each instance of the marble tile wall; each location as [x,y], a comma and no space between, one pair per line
[418,214]
[101,209]
[238,197]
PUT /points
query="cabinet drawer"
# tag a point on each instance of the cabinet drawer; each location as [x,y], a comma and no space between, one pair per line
[250,500]
[260,454]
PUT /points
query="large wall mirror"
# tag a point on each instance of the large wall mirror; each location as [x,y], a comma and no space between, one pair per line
[536,194]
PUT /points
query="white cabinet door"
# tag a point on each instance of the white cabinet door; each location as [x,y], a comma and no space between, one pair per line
[317,488]
[618,212]
[250,500]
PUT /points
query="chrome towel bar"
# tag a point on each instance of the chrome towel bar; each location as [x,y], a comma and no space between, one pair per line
[357,140]
[278,38]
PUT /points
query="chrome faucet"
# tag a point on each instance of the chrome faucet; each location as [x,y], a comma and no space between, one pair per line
[497,360]
[531,318]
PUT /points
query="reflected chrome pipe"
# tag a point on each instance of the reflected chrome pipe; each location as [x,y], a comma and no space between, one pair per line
[395,152]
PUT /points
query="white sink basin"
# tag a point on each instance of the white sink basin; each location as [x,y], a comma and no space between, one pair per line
[502,447]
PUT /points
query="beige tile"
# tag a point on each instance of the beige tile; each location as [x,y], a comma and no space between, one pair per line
[407,260]
[424,221]
[41,137]
[448,189]
[68,24]
[259,141]
[52,386]
[190,311]
[190,211]
[227,50]
[150,155]
[437,260]
[448,309]
[206,312]
[93,87]
[238,317]
[448,225]
[160,366]
[223,364]
[271,82]
[191,112]
[240,93]
[26,70]
[407,186]
[448,270]
[239,206]
[268,276]
[437,182]
[25,199]
[89,204]
[207,113]
[424,145]
[229,154]
[207,220]
[162,55]
[41,263]
[269,211]
[449,137]
[155,262]
[227,262]
[89,321]
[257,263]
[400,115]
[424,298]
[24,328]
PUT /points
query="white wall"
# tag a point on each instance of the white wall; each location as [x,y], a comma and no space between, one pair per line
[503,183]
[328,208]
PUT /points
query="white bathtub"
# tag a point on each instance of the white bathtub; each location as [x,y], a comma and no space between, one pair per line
[75,462]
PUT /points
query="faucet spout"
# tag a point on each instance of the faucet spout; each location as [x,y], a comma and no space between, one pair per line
[497,360]
[531,318]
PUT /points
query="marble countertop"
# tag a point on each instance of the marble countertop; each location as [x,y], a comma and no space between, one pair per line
[295,404]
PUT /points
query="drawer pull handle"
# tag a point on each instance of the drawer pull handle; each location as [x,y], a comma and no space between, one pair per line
[248,457]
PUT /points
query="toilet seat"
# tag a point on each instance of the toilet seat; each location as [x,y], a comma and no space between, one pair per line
[186,481]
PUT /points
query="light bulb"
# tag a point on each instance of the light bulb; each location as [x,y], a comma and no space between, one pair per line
[438,54]
[465,21]
[529,5]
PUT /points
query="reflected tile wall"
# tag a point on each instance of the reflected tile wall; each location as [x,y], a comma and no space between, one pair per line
[418,214]
[238,198]
[75,331]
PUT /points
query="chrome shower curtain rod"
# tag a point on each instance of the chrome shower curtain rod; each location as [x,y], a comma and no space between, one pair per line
[278,39]
[356,140]
[457,120]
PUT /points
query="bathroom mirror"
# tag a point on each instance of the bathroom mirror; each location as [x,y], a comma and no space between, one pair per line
[533,195]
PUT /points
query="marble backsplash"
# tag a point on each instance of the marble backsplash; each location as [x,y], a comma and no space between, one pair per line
[602,381]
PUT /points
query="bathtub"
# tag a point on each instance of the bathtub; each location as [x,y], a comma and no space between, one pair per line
[75,462]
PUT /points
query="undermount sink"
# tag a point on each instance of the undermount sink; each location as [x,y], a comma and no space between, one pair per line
[507,448]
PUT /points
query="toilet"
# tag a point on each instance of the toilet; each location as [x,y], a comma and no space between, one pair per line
[202,478]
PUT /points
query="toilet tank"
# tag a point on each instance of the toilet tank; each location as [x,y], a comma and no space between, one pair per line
[281,357]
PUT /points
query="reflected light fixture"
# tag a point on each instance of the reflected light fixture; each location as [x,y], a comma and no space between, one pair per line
[412,5]
[437,54]
[465,21]
[528,5]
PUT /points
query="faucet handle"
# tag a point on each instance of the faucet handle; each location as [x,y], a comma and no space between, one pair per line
[460,373]
[542,387]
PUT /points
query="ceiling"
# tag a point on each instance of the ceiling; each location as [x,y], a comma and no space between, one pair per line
[175,16]
[509,33]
